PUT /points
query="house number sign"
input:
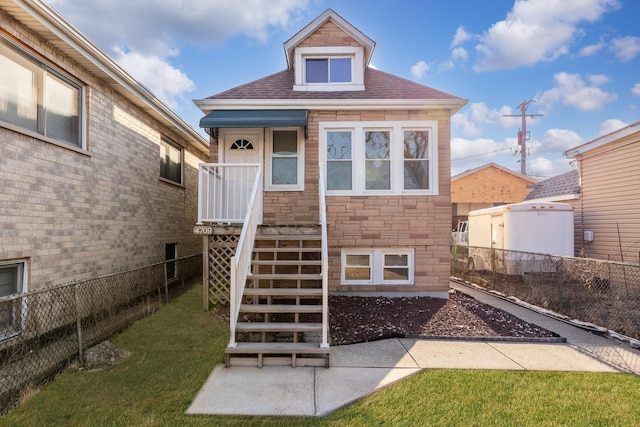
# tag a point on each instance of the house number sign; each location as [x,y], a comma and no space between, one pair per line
[202,229]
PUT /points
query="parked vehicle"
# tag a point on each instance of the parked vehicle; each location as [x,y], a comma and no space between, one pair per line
[534,228]
[460,236]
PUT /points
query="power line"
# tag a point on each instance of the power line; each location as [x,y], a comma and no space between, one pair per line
[482,154]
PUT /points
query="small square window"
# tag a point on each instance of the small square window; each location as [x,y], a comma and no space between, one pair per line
[396,267]
[12,276]
[358,267]
[170,161]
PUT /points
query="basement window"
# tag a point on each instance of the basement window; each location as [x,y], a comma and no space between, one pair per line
[377,267]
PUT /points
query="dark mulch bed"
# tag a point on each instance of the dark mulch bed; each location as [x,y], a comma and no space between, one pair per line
[361,319]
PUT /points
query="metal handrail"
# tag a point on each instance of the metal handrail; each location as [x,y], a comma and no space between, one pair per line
[241,260]
[325,261]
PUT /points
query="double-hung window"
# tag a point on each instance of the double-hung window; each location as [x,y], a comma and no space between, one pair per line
[12,282]
[285,150]
[328,70]
[37,98]
[377,267]
[170,161]
[332,68]
[379,158]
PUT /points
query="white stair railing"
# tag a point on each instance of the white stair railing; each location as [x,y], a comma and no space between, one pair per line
[241,261]
[325,262]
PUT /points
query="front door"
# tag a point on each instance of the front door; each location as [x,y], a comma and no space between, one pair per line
[243,146]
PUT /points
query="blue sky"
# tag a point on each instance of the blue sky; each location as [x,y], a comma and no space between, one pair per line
[577,60]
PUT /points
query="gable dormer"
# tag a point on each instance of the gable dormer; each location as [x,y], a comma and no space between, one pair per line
[329,54]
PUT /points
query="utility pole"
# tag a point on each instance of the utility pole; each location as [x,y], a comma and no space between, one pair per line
[522,134]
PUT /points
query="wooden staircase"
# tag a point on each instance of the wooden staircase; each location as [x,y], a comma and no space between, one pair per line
[280,319]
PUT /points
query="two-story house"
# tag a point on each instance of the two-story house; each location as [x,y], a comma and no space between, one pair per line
[346,172]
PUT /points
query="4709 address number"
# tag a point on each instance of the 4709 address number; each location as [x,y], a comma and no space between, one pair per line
[202,229]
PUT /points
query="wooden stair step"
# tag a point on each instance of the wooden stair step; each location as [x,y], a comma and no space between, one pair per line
[279,308]
[288,237]
[277,348]
[285,292]
[293,262]
[286,249]
[285,276]
[278,327]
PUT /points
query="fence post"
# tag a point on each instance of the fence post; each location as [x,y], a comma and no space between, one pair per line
[166,283]
[205,272]
[78,322]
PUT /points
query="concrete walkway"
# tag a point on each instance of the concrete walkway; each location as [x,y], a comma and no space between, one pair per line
[360,369]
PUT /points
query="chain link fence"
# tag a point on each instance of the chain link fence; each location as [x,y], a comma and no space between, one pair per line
[601,292]
[42,332]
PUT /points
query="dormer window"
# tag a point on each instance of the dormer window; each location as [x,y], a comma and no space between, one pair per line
[333,68]
[328,70]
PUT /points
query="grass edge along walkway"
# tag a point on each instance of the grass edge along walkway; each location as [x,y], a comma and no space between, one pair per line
[175,350]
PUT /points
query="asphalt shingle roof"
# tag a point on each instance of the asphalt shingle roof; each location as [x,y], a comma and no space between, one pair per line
[378,85]
[567,183]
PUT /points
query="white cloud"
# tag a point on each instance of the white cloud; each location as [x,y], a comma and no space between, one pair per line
[158,75]
[446,65]
[460,37]
[459,53]
[558,140]
[592,49]
[420,69]
[536,30]
[477,114]
[598,79]
[542,166]
[143,34]
[481,150]
[610,125]
[635,91]
[626,48]
[571,90]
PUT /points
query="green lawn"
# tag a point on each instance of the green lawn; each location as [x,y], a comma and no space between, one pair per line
[174,351]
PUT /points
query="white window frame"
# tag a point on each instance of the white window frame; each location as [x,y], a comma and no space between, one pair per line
[21,303]
[268,185]
[358,159]
[357,67]
[180,149]
[45,70]
[376,258]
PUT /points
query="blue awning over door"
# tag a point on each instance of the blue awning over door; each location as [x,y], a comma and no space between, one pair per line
[253,118]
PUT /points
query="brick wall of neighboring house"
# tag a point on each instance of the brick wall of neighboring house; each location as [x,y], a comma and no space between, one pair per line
[420,222]
[490,185]
[77,214]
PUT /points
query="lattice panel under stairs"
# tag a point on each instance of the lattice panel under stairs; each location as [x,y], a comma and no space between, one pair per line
[221,249]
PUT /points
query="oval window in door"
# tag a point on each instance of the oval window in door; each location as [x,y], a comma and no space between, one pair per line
[242,144]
